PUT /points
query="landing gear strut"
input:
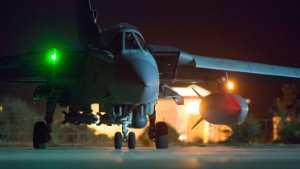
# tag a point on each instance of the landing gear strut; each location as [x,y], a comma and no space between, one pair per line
[126,121]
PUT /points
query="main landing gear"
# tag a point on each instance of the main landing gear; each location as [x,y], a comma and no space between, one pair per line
[42,131]
[158,133]
[40,135]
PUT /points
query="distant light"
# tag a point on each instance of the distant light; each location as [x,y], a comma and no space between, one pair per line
[276,123]
[1,106]
[230,85]
[182,138]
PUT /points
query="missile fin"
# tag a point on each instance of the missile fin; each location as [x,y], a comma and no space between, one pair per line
[197,123]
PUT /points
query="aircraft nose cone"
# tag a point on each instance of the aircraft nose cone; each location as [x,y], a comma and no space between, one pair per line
[135,81]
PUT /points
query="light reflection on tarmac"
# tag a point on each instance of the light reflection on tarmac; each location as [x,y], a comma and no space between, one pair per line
[211,157]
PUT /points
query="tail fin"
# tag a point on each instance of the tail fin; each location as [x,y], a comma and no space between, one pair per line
[88,30]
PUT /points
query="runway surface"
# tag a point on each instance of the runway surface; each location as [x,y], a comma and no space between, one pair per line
[211,157]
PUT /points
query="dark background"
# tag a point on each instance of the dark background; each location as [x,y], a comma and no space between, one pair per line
[254,30]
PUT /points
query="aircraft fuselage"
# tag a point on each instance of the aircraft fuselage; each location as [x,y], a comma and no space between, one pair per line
[131,77]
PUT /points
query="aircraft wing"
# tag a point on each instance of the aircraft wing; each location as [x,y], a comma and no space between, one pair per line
[26,67]
[44,65]
[196,68]
[241,66]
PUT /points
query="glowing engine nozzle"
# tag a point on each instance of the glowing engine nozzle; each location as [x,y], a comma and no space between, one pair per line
[223,108]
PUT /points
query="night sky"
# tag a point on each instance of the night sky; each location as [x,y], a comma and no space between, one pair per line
[254,30]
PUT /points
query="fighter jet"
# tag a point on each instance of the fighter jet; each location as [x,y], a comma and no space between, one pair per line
[125,76]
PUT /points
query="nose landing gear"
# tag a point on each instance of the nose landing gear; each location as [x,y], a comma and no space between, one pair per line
[118,140]
[130,138]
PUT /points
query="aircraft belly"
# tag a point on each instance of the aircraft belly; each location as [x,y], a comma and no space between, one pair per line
[87,92]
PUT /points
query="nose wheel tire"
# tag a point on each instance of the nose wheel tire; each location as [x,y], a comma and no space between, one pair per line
[40,135]
[131,140]
[118,140]
[161,135]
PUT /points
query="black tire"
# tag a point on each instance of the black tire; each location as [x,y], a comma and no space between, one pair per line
[161,135]
[118,140]
[40,135]
[131,140]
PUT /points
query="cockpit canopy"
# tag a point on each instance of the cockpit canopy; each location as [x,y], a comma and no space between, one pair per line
[120,37]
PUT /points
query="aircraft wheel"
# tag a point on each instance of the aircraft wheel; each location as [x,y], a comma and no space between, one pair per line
[161,135]
[40,135]
[131,140]
[118,140]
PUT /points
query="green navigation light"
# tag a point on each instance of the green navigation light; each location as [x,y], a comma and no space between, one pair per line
[53,55]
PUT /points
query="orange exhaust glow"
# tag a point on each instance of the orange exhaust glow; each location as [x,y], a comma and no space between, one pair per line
[192,106]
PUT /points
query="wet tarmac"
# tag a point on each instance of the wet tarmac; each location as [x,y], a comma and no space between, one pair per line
[211,157]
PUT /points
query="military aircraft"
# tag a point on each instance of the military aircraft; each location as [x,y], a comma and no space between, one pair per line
[116,69]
